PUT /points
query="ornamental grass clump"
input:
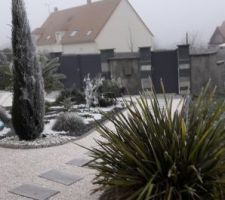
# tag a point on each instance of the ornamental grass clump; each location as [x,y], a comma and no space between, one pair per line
[69,122]
[156,153]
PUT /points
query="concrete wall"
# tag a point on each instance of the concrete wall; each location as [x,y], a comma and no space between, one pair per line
[184,69]
[85,48]
[204,67]
[124,32]
[127,73]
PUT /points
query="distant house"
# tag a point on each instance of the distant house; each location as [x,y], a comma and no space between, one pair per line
[90,28]
[218,36]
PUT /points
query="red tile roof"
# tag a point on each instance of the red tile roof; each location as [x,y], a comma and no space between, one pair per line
[87,18]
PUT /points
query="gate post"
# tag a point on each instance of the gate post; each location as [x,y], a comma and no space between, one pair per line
[145,67]
[184,69]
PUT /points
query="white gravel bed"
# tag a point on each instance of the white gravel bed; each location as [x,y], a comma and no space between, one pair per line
[48,141]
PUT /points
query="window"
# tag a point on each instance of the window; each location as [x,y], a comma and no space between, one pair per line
[89,33]
[73,33]
[59,35]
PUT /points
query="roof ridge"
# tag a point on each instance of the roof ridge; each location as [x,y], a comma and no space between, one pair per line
[83,5]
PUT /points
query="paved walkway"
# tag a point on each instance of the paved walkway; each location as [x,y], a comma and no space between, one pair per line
[18,167]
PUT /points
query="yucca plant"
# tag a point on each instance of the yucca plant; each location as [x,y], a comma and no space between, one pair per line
[156,153]
[52,78]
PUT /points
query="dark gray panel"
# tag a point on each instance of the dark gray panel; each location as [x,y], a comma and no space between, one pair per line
[78,162]
[34,192]
[60,177]
[165,68]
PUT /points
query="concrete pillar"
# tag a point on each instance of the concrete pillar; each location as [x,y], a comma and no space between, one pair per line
[145,67]
[184,69]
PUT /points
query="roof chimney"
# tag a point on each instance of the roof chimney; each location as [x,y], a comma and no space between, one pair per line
[88,1]
[55,9]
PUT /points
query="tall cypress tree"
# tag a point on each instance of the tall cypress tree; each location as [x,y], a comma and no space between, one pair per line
[28,99]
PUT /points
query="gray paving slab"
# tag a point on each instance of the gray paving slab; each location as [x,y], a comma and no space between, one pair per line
[78,162]
[60,177]
[34,192]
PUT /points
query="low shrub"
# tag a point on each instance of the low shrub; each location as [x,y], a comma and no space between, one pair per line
[68,122]
[75,95]
[110,87]
[67,104]
[157,154]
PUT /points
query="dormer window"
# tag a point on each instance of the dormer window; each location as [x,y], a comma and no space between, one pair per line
[73,33]
[59,35]
[89,33]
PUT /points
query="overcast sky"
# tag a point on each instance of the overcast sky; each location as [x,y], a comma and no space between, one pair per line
[169,20]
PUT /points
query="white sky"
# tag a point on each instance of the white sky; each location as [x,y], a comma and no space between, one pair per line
[169,20]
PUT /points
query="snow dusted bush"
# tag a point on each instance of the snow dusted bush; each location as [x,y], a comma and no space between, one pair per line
[91,90]
[76,96]
[112,87]
[69,122]
[28,88]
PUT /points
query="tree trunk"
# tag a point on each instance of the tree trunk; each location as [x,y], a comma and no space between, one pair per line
[28,99]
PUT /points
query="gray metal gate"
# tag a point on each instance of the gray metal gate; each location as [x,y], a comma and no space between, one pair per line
[165,67]
[76,67]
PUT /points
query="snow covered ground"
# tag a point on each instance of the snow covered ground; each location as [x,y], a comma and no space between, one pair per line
[5,99]
[88,115]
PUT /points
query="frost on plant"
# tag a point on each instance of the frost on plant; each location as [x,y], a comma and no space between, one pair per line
[28,88]
[91,90]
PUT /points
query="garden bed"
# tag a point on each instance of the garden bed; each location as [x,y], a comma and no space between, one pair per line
[50,137]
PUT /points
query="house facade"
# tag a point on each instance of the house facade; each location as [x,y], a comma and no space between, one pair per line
[91,28]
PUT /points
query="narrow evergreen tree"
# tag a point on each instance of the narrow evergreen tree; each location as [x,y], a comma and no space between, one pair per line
[28,99]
